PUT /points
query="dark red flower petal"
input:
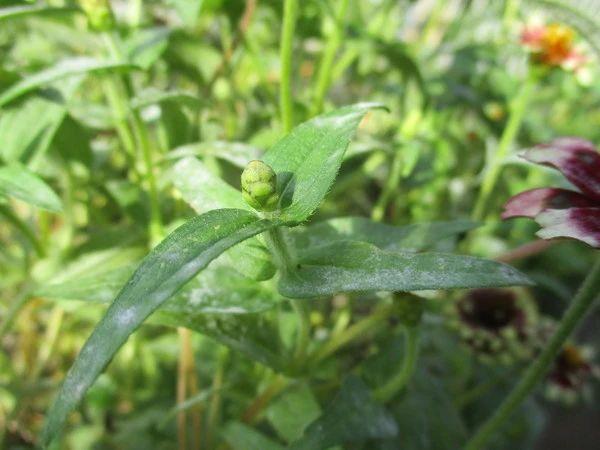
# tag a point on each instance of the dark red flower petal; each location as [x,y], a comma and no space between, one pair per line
[576,158]
[531,203]
[578,223]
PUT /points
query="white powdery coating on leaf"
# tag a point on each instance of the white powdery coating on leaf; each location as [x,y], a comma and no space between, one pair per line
[127,317]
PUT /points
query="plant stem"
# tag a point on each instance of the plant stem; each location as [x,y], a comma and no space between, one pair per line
[587,294]
[325,68]
[494,165]
[388,189]
[20,225]
[353,332]
[398,381]
[16,306]
[286,105]
[122,108]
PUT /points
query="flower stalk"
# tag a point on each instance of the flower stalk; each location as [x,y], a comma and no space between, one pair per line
[286,105]
[588,293]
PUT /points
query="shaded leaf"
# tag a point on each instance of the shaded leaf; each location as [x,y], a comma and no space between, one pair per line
[155,96]
[242,437]
[349,266]
[308,159]
[352,416]
[174,262]
[291,413]
[19,182]
[414,237]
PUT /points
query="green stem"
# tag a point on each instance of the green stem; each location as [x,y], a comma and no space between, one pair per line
[285,259]
[23,228]
[587,294]
[123,110]
[353,332]
[290,12]
[398,381]
[388,189]
[494,165]
[16,306]
[325,68]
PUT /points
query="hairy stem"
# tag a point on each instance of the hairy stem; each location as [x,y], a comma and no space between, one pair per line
[587,294]
[286,105]
[494,165]
[398,381]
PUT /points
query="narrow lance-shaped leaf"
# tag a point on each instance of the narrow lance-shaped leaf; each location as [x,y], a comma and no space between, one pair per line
[308,159]
[414,237]
[18,12]
[65,68]
[163,272]
[350,266]
[18,182]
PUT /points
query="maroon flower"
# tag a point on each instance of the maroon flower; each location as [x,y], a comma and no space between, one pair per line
[563,212]
[571,374]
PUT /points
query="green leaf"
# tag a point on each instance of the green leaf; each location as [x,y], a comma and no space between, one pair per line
[174,262]
[18,182]
[352,416]
[18,12]
[308,159]
[349,266]
[204,191]
[63,69]
[291,413]
[237,153]
[146,46]
[155,96]
[242,437]
[414,237]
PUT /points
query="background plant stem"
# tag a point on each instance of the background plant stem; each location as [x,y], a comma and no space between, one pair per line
[494,165]
[587,294]
[286,104]
[325,68]
[398,381]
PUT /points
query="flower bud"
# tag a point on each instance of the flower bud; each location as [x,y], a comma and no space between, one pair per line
[259,186]
[99,14]
[409,309]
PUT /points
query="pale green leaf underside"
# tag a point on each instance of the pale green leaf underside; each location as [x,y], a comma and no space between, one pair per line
[65,68]
[352,416]
[237,153]
[18,182]
[414,237]
[155,96]
[308,159]
[204,191]
[350,266]
[174,262]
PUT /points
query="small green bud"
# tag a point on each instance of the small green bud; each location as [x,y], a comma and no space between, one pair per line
[259,186]
[409,309]
[99,14]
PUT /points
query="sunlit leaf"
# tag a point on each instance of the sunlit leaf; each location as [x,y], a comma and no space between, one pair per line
[308,159]
[65,68]
[18,182]
[18,12]
[175,261]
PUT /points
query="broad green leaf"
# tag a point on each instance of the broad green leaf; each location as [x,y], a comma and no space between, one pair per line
[204,191]
[350,266]
[19,182]
[237,153]
[240,436]
[155,96]
[291,413]
[65,68]
[18,12]
[352,416]
[308,159]
[415,237]
[174,262]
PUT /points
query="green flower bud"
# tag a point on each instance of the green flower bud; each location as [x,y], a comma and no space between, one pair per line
[409,309]
[99,14]
[259,186]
